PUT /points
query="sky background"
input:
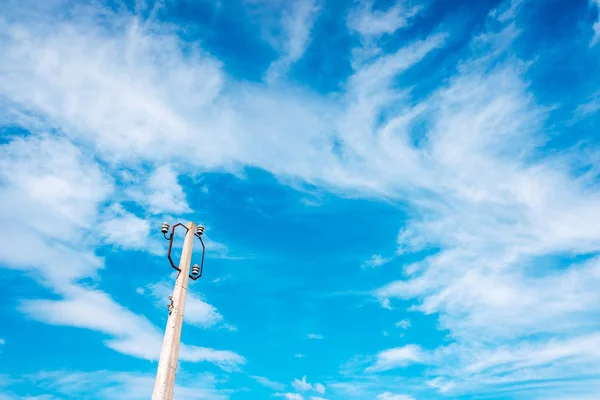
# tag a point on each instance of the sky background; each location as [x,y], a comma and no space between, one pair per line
[401,199]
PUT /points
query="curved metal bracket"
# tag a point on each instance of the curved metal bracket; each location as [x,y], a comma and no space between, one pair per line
[170,239]
[202,263]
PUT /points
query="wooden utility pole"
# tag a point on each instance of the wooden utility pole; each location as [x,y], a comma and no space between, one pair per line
[167,366]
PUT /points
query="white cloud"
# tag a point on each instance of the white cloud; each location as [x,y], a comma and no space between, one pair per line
[162,193]
[385,303]
[589,108]
[542,362]
[124,229]
[160,90]
[49,173]
[315,336]
[391,396]
[369,22]
[371,386]
[131,334]
[500,219]
[319,388]
[299,355]
[303,386]
[269,383]
[375,261]
[225,359]
[596,26]
[297,22]
[124,385]
[290,396]
[91,309]
[129,117]
[508,10]
[404,324]
[49,194]
[397,357]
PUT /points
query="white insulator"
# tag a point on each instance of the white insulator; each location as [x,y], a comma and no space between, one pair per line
[195,269]
[165,227]
[199,230]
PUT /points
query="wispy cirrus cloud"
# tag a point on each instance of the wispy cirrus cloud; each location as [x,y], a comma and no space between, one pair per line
[124,385]
[50,196]
[269,383]
[596,26]
[403,324]
[315,336]
[187,113]
[465,160]
[131,333]
[122,228]
[375,261]
[372,23]
[588,108]
[297,22]
[502,214]
[302,385]
[397,357]
[161,193]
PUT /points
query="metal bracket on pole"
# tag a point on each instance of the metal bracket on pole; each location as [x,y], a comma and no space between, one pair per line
[197,270]
[170,239]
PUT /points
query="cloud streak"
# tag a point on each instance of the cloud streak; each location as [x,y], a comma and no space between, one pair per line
[596,26]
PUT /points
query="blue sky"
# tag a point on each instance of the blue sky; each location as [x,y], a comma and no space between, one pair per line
[401,198]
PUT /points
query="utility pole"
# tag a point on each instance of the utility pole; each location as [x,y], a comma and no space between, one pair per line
[167,366]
